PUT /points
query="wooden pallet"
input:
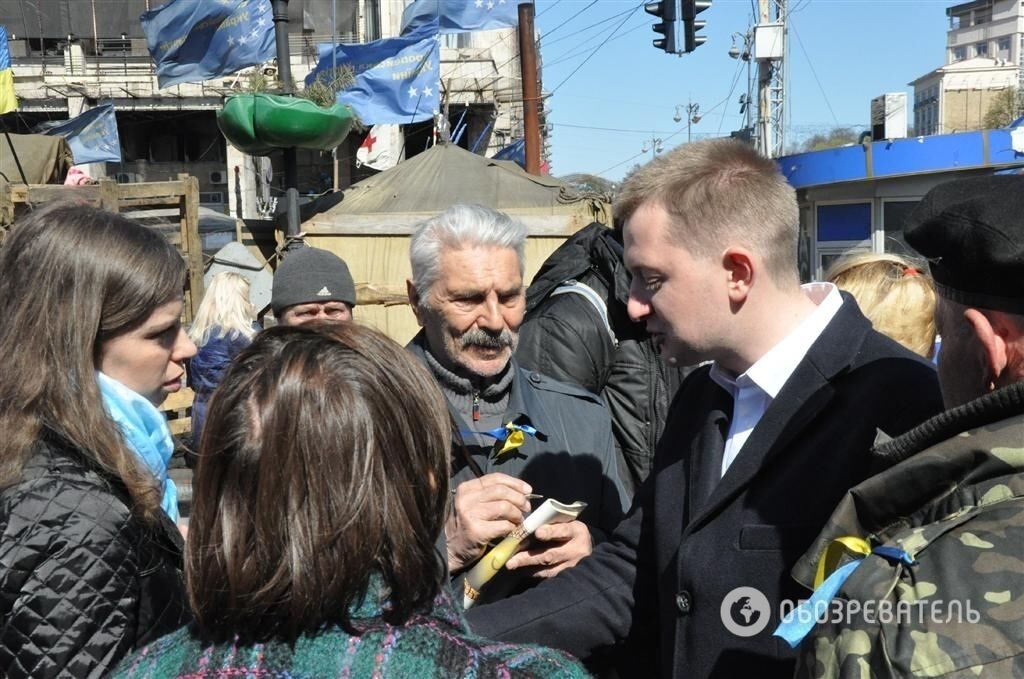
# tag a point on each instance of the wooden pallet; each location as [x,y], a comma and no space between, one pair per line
[178,409]
[183,194]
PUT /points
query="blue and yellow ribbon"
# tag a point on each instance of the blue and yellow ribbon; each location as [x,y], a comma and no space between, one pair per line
[508,437]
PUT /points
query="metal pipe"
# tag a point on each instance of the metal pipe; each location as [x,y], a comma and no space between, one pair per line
[284,74]
[531,88]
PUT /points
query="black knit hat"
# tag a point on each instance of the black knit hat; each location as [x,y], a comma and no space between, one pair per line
[311,275]
[972,233]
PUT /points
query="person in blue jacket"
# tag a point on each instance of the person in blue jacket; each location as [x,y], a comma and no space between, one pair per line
[224,325]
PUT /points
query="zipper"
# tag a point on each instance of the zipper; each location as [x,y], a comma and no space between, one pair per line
[476,406]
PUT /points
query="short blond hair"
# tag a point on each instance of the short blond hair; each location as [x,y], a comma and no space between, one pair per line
[895,293]
[721,192]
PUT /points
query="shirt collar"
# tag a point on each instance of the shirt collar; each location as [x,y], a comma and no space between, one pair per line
[772,370]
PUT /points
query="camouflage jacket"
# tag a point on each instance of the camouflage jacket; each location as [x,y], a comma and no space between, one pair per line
[955,503]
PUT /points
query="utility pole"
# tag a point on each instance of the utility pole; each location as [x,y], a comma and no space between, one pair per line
[531,88]
[770,53]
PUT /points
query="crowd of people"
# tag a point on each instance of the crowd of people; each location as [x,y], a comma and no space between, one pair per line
[738,441]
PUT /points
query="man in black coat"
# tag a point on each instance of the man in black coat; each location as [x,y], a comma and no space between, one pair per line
[773,433]
[577,330]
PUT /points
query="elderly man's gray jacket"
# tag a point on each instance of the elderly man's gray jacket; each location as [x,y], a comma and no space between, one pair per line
[572,457]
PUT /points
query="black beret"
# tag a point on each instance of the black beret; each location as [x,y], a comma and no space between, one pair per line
[972,233]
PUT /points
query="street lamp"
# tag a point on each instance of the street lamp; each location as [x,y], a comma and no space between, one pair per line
[124,51]
[655,146]
[736,53]
[692,117]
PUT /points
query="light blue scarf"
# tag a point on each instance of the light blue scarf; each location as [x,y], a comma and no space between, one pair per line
[145,431]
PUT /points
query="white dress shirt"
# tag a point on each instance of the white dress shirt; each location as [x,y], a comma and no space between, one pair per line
[753,391]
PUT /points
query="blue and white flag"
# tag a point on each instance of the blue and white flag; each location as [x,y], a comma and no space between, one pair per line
[397,80]
[196,40]
[92,136]
[457,16]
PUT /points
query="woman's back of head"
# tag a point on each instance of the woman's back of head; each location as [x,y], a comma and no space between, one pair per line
[225,309]
[323,464]
[74,277]
[895,293]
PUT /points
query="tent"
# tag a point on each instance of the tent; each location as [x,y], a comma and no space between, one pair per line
[370,227]
[394,200]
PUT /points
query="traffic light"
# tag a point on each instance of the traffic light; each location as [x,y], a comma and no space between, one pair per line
[691,8]
[668,12]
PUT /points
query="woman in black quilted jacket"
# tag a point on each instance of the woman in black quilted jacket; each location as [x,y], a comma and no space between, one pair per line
[90,559]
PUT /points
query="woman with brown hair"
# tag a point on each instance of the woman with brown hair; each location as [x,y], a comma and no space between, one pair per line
[90,559]
[320,492]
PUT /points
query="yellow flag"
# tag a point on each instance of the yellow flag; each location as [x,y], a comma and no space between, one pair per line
[8,102]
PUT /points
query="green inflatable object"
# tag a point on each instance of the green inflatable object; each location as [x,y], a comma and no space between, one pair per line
[258,124]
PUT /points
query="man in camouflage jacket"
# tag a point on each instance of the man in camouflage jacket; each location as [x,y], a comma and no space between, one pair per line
[948,600]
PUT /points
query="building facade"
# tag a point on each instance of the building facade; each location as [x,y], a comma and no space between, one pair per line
[71,56]
[983,56]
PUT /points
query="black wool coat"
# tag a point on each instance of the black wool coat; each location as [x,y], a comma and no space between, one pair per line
[659,584]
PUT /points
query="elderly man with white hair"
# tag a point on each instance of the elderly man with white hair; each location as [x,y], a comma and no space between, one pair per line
[468,295]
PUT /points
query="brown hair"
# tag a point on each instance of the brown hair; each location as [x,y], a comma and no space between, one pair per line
[896,294]
[74,277]
[324,460]
[720,192]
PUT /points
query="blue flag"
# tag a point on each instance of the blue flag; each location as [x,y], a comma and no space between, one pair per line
[397,80]
[516,151]
[92,136]
[196,40]
[456,16]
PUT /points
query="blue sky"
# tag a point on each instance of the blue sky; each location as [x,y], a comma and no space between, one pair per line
[842,54]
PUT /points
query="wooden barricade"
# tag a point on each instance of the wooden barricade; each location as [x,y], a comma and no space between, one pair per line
[135,199]
[178,409]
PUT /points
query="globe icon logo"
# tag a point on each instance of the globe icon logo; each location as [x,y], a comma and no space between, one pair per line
[745,611]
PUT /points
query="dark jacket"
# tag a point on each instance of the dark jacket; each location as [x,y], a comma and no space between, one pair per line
[661,581]
[206,369]
[82,582]
[565,337]
[955,505]
[572,458]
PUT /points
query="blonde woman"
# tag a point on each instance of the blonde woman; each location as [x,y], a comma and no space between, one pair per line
[224,325]
[895,293]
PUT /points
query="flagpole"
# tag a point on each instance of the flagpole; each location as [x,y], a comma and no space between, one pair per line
[284,74]
[14,153]
[334,76]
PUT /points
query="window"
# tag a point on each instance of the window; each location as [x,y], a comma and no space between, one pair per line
[844,222]
[1004,44]
[959,53]
[981,49]
[894,216]
[982,16]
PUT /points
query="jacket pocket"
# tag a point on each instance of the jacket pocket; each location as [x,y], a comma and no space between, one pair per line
[769,537]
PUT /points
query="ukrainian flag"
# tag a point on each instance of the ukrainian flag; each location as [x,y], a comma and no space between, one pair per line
[8,102]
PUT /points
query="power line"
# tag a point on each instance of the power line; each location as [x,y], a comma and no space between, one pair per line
[814,73]
[572,17]
[585,28]
[549,7]
[576,51]
[611,129]
[596,49]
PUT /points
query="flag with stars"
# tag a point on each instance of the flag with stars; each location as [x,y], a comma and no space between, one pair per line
[457,16]
[397,80]
[196,40]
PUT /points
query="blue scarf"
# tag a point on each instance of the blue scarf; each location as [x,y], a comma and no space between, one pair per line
[145,431]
